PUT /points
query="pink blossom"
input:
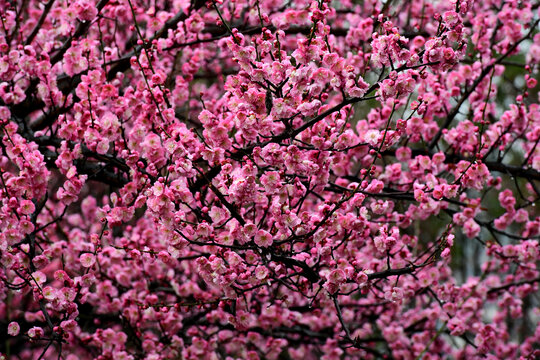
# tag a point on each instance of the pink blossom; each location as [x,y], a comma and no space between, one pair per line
[13,328]
[263,238]
[87,260]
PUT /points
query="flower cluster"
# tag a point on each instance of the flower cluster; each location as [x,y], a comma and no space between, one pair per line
[269,179]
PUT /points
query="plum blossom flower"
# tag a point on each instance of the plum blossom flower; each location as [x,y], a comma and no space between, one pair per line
[87,260]
[13,328]
[263,238]
[394,295]
[35,333]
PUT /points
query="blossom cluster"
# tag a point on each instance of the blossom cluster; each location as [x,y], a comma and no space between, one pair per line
[257,179]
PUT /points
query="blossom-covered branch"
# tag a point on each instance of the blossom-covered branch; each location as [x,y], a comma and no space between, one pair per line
[258,179]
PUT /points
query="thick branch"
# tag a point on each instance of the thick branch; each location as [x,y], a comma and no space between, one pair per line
[40,22]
